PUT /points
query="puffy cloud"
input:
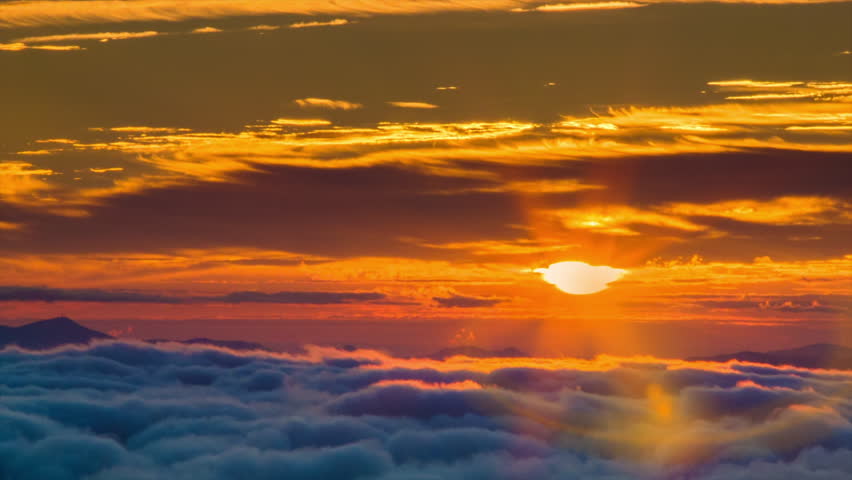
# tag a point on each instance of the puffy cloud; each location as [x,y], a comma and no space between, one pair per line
[140,411]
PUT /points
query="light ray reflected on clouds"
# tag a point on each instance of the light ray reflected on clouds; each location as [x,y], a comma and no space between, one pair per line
[335,414]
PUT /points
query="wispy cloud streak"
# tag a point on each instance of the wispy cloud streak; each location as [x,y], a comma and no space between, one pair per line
[29,13]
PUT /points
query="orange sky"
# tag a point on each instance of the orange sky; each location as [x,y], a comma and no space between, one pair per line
[231,162]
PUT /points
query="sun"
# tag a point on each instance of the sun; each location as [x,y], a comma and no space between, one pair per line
[578,278]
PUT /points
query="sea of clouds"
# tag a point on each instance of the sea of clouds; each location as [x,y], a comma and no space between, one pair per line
[135,411]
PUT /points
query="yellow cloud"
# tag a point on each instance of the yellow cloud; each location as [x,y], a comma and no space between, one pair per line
[142,129]
[10,226]
[43,12]
[327,103]
[207,30]
[778,211]
[18,46]
[19,181]
[617,220]
[753,84]
[331,23]
[533,187]
[264,28]
[180,155]
[420,105]
[31,13]
[301,122]
[753,90]
[101,36]
[571,7]
[494,247]
[771,96]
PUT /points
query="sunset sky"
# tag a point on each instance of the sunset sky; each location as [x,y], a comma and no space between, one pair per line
[409,175]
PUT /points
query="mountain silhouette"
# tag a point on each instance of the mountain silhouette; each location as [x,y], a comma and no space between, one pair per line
[60,331]
[821,355]
[49,334]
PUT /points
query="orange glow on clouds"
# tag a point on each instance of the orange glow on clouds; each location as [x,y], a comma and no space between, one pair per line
[573,7]
[464,385]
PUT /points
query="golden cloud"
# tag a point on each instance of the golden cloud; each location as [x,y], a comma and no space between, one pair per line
[41,12]
[179,155]
[30,13]
[301,122]
[101,36]
[18,46]
[19,181]
[572,7]
[778,211]
[420,105]
[331,23]
[207,30]
[327,103]
[617,220]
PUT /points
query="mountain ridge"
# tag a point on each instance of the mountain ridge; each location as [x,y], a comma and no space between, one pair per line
[59,331]
[818,355]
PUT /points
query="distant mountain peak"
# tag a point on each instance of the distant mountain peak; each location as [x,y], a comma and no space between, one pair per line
[818,355]
[51,333]
[65,321]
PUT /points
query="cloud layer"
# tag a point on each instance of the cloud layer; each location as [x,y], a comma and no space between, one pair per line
[45,294]
[133,411]
[40,12]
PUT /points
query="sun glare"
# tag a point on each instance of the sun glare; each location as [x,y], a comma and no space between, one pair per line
[578,278]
